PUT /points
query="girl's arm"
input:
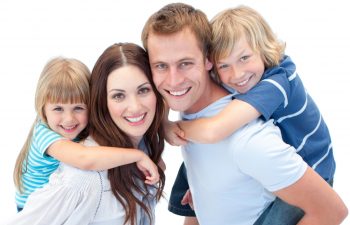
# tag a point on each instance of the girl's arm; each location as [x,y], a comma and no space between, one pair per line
[213,129]
[102,158]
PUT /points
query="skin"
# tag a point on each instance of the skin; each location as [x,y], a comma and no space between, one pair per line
[131,101]
[178,71]
[242,69]
[67,120]
[186,86]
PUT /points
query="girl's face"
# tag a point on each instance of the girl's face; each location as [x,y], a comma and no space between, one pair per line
[131,101]
[242,69]
[67,120]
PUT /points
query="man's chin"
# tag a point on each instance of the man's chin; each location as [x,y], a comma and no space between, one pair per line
[178,107]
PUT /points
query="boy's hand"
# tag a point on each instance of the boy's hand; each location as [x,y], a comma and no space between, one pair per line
[149,169]
[187,199]
[173,134]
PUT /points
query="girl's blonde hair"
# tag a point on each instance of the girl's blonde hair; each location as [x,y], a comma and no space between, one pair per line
[63,80]
[230,25]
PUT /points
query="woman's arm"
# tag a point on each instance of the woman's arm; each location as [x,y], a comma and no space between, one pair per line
[320,202]
[213,129]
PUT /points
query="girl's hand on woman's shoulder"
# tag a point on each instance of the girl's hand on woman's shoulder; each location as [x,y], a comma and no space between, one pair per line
[149,169]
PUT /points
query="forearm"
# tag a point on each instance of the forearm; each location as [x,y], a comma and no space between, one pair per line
[93,157]
[102,158]
[316,198]
[213,129]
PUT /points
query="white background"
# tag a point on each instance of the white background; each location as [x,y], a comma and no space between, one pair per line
[31,32]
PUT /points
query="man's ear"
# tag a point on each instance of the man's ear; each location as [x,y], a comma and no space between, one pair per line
[208,64]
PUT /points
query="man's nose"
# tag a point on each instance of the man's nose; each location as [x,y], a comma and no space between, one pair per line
[174,78]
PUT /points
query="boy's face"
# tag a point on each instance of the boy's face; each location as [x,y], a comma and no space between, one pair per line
[242,69]
[179,69]
[68,119]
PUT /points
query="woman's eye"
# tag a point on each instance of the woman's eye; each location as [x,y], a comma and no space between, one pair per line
[118,96]
[58,109]
[144,90]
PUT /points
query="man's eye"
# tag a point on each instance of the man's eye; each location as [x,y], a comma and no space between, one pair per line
[185,64]
[161,66]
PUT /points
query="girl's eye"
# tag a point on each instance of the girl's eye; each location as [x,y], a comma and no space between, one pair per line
[144,90]
[79,108]
[58,109]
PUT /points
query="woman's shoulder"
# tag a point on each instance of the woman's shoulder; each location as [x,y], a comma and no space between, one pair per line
[89,141]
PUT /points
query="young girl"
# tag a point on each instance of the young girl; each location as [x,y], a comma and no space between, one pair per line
[61,102]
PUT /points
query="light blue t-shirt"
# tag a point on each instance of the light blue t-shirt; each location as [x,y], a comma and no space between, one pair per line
[39,166]
[231,181]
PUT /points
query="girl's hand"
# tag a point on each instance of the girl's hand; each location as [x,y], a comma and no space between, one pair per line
[149,169]
[173,134]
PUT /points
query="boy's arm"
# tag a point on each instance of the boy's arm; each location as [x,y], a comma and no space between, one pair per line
[172,132]
[213,129]
[316,198]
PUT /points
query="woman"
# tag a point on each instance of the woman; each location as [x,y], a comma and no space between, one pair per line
[123,109]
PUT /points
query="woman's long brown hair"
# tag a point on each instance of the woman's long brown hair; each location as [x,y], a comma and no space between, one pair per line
[125,180]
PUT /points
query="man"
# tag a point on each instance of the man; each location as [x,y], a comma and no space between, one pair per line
[234,180]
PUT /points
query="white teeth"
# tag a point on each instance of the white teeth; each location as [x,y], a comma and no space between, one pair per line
[243,82]
[69,128]
[178,93]
[135,119]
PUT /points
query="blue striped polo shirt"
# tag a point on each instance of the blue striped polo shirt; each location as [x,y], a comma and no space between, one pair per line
[280,95]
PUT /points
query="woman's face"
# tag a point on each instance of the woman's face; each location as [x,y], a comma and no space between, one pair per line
[131,101]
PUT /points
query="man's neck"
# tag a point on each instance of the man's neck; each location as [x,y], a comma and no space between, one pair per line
[212,93]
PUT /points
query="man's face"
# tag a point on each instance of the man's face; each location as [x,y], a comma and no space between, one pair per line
[179,70]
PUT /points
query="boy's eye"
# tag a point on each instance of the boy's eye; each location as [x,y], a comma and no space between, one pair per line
[222,66]
[244,58]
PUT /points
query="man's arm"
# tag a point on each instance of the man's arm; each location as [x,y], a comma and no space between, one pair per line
[320,202]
